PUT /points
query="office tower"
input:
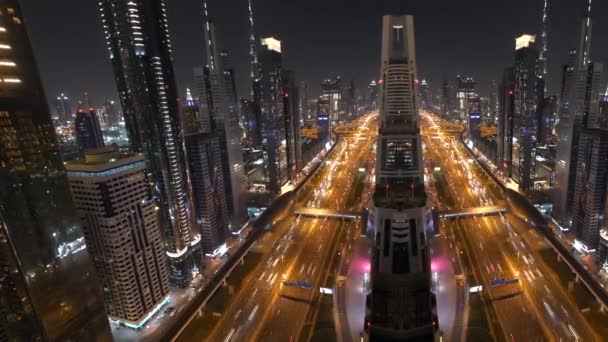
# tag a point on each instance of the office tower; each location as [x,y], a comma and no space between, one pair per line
[224,112]
[292,124]
[448,99]
[349,100]
[465,95]
[303,102]
[589,200]
[48,288]
[118,212]
[87,129]
[251,114]
[113,116]
[270,99]
[528,92]
[580,80]
[209,198]
[63,108]
[139,47]
[493,101]
[546,122]
[425,95]
[372,95]
[331,89]
[400,306]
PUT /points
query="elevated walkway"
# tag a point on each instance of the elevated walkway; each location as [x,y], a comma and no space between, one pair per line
[317,212]
[476,211]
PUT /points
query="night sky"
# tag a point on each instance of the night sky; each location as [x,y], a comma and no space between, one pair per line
[320,38]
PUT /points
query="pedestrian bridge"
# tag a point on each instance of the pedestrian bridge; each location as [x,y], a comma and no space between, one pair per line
[476,211]
[318,212]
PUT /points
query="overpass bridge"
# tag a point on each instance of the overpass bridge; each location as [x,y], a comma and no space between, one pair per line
[476,211]
[318,212]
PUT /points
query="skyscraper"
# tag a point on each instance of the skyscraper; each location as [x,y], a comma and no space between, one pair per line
[118,212]
[63,108]
[400,304]
[207,186]
[139,46]
[254,64]
[225,120]
[48,288]
[292,124]
[528,95]
[580,80]
[88,131]
[505,121]
[269,95]
[542,58]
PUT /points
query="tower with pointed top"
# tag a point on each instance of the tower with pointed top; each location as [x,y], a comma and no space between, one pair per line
[542,59]
[223,109]
[254,64]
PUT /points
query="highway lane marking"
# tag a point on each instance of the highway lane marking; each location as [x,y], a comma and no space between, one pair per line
[262,276]
[252,314]
[254,292]
[237,314]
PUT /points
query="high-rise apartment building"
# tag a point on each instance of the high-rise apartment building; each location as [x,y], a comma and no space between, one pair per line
[48,287]
[140,50]
[400,302]
[118,213]
[269,96]
[88,130]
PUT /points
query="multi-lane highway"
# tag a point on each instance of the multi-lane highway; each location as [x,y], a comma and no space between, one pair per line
[297,249]
[536,307]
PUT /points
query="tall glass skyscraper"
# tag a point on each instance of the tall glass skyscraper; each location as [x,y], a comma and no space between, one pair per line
[269,95]
[139,45]
[225,121]
[48,289]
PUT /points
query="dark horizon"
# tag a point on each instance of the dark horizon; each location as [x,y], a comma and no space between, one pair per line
[324,39]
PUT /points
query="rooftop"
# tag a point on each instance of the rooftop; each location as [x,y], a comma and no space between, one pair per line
[104,158]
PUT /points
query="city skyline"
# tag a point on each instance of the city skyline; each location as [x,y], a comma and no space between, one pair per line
[457,192]
[460,29]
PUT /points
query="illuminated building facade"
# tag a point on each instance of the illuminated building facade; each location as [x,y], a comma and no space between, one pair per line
[223,108]
[118,213]
[400,303]
[528,94]
[580,84]
[139,47]
[269,95]
[48,288]
[292,124]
